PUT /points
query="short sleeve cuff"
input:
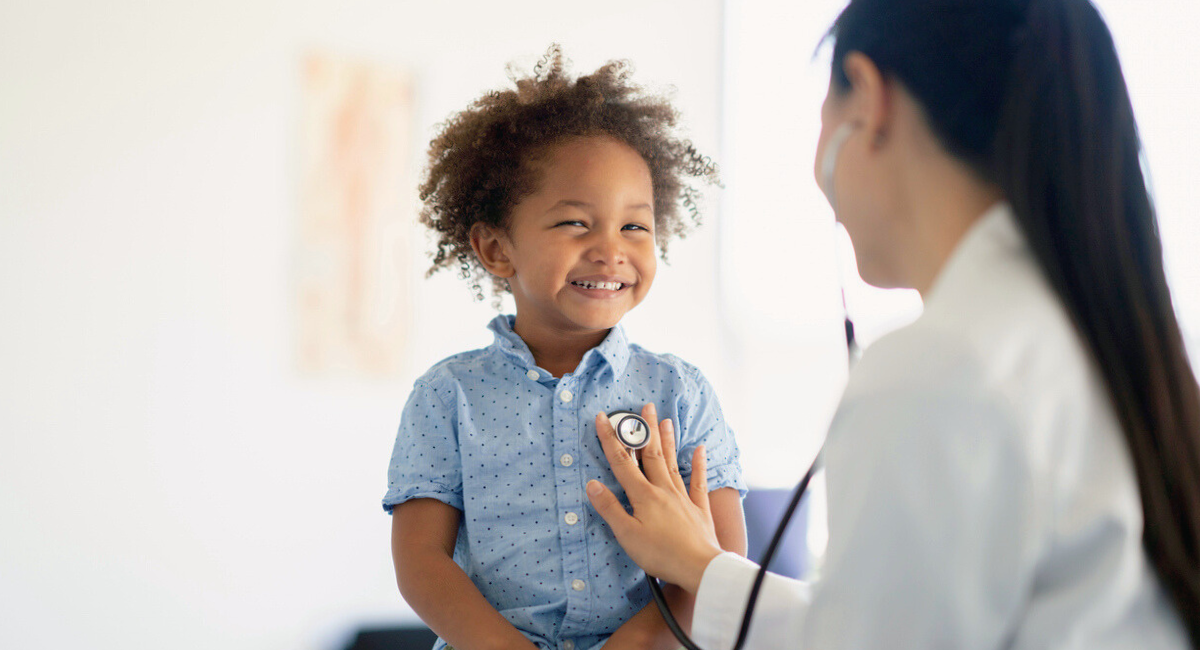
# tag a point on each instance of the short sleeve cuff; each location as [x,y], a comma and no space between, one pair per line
[393,498]
[725,476]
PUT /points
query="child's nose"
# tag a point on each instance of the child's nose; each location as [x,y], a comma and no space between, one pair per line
[608,248]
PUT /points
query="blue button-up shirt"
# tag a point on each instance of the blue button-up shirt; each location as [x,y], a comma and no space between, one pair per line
[512,447]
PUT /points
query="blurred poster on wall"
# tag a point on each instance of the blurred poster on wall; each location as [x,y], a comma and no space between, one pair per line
[356,218]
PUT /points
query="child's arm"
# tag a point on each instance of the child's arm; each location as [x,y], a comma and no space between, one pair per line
[423,536]
[728,519]
[647,629]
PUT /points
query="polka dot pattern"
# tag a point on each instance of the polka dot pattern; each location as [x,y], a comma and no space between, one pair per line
[481,434]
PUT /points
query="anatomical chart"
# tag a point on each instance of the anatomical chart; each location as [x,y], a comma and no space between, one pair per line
[353,263]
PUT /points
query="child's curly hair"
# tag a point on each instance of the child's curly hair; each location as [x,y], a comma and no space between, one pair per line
[482,161]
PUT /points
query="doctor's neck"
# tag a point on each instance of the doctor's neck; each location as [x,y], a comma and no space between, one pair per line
[941,199]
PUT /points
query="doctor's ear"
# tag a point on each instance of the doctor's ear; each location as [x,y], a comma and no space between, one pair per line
[491,245]
[870,98]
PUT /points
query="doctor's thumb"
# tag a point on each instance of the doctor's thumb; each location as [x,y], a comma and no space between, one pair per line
[609,507]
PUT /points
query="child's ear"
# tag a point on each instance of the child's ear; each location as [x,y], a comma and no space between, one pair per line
[491,247]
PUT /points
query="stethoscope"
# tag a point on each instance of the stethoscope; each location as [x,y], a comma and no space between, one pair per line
[634,432]
[632,429]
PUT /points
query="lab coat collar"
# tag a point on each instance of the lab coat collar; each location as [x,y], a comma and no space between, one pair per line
[995,235]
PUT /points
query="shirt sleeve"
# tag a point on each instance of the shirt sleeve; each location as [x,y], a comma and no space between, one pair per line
[425,460]
[703,423]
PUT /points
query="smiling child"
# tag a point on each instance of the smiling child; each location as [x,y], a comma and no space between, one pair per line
[564,191]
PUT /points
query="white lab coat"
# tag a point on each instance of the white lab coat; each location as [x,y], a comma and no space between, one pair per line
[981,495]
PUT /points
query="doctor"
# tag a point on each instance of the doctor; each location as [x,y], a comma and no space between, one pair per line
[1020,468]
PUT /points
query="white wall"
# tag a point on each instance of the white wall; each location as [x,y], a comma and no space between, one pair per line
[166,480]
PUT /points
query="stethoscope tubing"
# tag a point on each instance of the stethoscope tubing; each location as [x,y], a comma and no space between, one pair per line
[768,555]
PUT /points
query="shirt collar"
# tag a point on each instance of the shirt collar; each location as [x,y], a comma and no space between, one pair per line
[614,349]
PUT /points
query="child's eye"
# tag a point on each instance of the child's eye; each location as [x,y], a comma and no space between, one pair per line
[574,222]
[635,226]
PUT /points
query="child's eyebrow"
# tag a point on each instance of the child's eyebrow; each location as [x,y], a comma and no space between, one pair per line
[573,203]
[570,203]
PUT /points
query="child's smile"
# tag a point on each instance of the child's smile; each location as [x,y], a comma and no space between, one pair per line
[601,287]
[580,251]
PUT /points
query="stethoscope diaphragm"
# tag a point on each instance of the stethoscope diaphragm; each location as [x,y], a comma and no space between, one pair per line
[632,429]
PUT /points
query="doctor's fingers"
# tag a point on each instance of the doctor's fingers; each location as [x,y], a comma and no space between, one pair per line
[667,430]
[623,464]
[654,461]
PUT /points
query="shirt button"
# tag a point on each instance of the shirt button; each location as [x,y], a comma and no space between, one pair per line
[571,518]
[578,585]
[566,460]
[566,396]
[532,374]
[568,644]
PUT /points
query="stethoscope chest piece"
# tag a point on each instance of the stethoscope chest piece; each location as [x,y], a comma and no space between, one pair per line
[632,429]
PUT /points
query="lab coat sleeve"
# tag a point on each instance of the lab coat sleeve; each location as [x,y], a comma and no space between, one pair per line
[933,525]
[721,602]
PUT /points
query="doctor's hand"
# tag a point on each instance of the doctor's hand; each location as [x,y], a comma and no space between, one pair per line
[670,533]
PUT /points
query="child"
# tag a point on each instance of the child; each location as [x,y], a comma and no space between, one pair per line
[561,190]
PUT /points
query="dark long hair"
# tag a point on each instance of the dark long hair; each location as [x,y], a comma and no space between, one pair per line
[1030,94]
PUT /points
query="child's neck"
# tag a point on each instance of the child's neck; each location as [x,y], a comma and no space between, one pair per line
[557,351]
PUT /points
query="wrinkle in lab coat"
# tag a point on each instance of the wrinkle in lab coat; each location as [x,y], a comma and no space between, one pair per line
[980,493]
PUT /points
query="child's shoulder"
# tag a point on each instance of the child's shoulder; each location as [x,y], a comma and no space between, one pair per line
[457,366]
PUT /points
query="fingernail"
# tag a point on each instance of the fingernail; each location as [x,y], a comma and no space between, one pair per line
[593,488]
[669,425]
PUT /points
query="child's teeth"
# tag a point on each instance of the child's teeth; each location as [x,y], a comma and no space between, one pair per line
[609,286]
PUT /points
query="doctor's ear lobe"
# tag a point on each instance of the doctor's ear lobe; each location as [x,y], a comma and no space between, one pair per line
[490,245]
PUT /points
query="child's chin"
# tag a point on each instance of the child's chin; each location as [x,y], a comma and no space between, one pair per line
[598,321]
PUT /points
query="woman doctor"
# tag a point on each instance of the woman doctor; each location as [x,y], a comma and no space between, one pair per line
[1020,468]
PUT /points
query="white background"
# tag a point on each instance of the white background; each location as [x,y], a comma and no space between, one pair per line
[167,480]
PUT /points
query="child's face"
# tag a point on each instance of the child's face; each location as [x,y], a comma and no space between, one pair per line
[581,248]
